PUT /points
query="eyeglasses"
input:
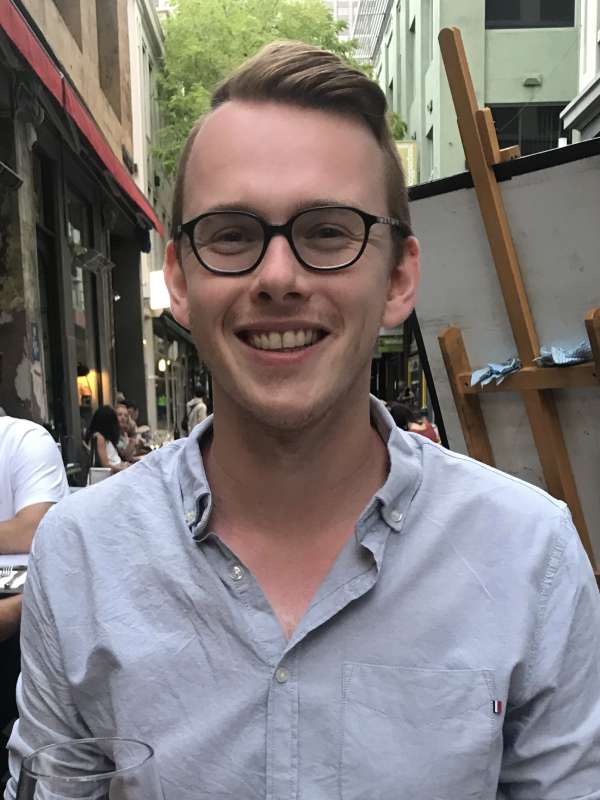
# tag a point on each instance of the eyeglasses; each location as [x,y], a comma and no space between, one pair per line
[323,239]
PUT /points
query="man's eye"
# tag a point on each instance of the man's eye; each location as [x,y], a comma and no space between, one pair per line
[326,232]
[229,235]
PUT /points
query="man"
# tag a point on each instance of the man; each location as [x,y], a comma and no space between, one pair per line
[32,478]
[196,411]
[300,600]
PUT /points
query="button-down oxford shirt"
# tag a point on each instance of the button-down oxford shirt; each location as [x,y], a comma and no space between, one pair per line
[453,651]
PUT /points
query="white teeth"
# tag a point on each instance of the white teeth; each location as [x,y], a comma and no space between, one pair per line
[288,340]
[275,341]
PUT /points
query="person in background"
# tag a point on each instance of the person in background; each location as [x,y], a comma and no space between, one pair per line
[139,433]
[424,418]
[408,420]
[103,439]
[127,442]
[196,411]
[402,415]
[32,478]
[421,424]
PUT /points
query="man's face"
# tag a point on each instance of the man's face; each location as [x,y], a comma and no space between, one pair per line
[123,417]
[275,159]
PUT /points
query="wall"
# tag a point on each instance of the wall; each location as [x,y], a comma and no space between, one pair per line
[510,55]
[81,62]
[146,48]
[589,57]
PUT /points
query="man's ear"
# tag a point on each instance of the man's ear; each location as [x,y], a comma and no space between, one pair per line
[402,286]
[177,285]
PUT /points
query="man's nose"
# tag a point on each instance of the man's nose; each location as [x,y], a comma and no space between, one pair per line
[280,276]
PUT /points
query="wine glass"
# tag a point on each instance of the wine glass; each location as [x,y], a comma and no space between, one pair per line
[91,769]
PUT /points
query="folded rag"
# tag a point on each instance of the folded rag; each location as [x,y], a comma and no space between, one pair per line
[557,355]
[494,371]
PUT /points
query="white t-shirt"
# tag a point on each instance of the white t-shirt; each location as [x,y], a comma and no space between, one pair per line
[31,468]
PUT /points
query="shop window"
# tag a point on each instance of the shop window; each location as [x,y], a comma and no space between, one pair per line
[534,127]
[85,302]
[109,69]
[529,13]
[70,11]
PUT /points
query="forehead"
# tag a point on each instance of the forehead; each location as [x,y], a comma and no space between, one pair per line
[274,157]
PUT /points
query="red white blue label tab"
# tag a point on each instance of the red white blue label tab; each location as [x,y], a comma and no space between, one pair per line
[497,706]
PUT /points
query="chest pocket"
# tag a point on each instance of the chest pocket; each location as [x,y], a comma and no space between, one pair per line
[416,734]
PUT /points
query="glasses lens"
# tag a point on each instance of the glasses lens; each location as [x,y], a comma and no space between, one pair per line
[231,241]
[326,238]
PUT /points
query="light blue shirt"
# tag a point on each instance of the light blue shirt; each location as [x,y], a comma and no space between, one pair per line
[452,653]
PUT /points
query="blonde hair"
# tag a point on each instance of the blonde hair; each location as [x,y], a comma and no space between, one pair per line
[307,77]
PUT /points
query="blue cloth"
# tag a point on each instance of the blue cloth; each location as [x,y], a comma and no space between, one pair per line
[495,372]
[452,652]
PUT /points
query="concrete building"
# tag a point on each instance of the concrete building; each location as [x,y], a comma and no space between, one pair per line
[72,219]
[145,51]
[523,58]
[581,118]
[173,372]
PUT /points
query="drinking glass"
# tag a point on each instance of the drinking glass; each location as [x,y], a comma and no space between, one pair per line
[91,769]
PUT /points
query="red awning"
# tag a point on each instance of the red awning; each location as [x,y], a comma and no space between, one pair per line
[21,35]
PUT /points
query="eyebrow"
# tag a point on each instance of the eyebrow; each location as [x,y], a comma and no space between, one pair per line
[295,209]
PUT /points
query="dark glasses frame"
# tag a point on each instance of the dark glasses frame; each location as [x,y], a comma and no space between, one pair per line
[269,231]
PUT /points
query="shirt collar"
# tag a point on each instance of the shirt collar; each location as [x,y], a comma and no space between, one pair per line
[391,501]
[405,468]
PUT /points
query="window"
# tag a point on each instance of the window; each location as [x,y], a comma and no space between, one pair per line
[534,128]
[70,11]
[529,13]
[109,68]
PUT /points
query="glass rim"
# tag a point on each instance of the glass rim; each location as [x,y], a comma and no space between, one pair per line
[86,778]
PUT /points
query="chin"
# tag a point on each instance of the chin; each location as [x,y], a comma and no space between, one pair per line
[289,414]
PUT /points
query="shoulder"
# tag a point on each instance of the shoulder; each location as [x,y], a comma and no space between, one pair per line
[484,510]
[450,474]
[26,441]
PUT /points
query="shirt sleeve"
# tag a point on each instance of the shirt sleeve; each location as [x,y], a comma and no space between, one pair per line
[47,713]
[552,735]
[38,475]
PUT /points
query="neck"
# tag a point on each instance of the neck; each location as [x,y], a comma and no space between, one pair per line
[278,481]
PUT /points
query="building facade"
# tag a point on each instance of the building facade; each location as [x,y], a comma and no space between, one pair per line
[523,56]
[581,118]
[72,219]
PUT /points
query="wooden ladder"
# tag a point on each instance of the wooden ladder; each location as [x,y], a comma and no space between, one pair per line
[535,384]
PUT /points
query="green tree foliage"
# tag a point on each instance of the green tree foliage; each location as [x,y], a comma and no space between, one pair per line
[397,125]
[206,39]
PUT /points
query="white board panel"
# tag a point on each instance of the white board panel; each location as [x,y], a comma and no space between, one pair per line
[554,215]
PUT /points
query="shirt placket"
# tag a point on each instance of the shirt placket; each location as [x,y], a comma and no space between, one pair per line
[282,730]
[282,703]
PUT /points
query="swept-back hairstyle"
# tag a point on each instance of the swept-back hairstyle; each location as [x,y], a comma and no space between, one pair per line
[307,77]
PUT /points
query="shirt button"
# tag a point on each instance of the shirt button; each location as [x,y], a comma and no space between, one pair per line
[236,572]
[395,515]
[282,675]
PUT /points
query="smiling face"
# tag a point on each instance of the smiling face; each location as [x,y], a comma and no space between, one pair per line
[286,345]
[123,417]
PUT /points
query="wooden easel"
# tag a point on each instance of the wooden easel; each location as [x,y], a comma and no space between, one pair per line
[535,384]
